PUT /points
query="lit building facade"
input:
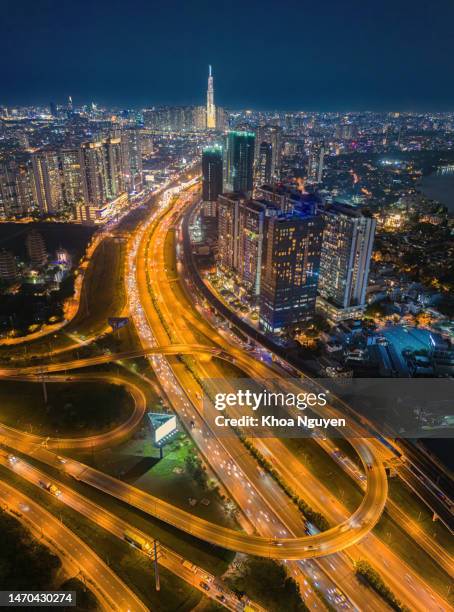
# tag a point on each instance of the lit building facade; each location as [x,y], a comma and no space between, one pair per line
[348,240]
[263,172]
[48,182]
[212,177]
[272,135]
[239,162]
[315,163]
[290,269]
[211,109]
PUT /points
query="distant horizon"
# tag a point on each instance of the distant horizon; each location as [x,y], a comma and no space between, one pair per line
[327,56]
[237,109]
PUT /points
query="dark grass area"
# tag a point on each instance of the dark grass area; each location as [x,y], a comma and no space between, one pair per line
[73,409]
[25,564]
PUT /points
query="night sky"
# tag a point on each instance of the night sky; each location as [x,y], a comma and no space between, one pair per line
[267,54]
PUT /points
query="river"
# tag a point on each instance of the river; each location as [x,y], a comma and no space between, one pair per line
[440,186]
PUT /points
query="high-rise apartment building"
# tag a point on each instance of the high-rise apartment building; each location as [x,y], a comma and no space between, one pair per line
[274,253]
[264,164]
[114,166]
[8,267]
[228,216]
[348,240]
[17,188]
[48,182]
[131,140]
[221,121]
[36,249]
[239,162]
[211,109]
[252,216]
[315,163]
[94,173]
[290,268]
[271,134]
[70,163]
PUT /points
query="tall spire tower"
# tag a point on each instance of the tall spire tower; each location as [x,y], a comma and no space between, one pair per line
[211,109]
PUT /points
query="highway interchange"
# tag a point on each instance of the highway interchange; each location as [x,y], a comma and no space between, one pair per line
[168,329]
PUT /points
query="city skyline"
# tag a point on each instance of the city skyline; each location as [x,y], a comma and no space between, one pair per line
[382,62]
[227,333]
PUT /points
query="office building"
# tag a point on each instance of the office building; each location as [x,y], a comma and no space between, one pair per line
[290,268]
[36,249]
[211,109]
[212,173]
[348,240]
[239,162]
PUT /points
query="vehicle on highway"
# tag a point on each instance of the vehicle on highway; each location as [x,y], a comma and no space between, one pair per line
[190,566]
[48,486]
[138,542]
[205,586]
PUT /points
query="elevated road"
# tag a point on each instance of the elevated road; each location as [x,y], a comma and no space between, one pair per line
[76,556]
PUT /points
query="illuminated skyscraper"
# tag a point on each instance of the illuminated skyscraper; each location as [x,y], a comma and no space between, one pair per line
[70,161]
[264,163]
[211,109]
[48,182]
[290,267]
[239,162]
[228,214]
[348,239]
[131,142]
[211,178]
[315,163]
[271,134]
[17,188]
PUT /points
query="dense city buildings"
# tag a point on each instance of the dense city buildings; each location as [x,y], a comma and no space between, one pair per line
[227,306]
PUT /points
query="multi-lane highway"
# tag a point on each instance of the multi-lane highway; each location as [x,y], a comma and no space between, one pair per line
[168,329]
[76,556]
[189,572]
